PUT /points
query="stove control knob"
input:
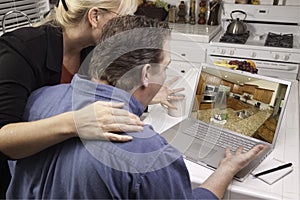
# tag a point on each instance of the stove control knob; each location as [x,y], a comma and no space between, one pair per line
[286,57]
[231,52]
[253,54]
[222,51]
[276,56]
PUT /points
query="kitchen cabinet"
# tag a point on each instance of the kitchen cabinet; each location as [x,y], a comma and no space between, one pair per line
[228,84]
[189,43]
[188,47]
[201,83]
[213,80]
[207,79]
[188,51]
[263,95]
[267,130]
[204,106]
[236,104]
[238,89]
[249,88]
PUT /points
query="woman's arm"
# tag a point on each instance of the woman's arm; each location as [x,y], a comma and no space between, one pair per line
[18,78]
[19,140]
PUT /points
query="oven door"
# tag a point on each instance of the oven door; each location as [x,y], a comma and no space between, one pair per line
[268,68]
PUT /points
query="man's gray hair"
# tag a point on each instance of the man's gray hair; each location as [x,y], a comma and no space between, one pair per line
[127,43]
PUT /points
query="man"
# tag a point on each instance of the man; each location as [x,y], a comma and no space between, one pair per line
[129,65]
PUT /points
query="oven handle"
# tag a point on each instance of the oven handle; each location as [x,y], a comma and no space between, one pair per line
[275,67]
[262,65]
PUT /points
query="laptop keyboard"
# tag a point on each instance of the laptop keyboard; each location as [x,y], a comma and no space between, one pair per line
[218,137]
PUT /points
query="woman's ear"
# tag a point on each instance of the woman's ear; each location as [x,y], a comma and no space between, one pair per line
[145,75]
[93,17]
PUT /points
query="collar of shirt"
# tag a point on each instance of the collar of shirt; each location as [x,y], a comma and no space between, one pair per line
[86,92]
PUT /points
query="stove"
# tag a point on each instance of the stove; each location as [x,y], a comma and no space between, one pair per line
[280,61]
[272,41]
[235,38]
[279,40]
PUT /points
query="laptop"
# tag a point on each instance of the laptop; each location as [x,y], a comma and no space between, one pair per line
[230,108]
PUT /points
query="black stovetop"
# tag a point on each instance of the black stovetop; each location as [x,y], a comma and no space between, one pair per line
[279,40]
[235,38]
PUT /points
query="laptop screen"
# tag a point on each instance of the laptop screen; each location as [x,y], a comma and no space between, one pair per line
[244,103]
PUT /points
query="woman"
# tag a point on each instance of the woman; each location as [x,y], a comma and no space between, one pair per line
[47,55]
[51,54]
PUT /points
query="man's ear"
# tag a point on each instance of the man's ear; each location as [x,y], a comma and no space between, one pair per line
[93,17]
[145,75]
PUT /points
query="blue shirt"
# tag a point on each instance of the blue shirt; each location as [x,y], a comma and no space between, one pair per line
[144,168]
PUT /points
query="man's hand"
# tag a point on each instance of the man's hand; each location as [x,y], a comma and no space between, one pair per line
[165,94]
[98,120]
[234,163]
[218,181]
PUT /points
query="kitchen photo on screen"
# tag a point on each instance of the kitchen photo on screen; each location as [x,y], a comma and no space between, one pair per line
[240,103]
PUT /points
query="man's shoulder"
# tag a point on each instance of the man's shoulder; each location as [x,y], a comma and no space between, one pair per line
[48,101]
[147,152]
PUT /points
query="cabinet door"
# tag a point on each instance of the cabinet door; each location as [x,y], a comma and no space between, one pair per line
[188,79]
[267,96]
[188,51]
[263,95]
[238,89]
[258,94]
[201,83]
[212,80]
[249,88]
[228,84]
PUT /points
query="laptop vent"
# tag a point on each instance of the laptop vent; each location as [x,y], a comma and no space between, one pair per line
[22,11]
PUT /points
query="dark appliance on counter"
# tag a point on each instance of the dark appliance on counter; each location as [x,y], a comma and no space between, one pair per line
[236,97]
[210,93]
[211,88]
[209,97]
[257,105]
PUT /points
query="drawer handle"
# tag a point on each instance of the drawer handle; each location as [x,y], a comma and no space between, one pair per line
[183,54]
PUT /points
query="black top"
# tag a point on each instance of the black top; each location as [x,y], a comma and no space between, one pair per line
[29,59]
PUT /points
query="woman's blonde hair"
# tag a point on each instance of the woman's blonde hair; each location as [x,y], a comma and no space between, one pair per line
[77,10]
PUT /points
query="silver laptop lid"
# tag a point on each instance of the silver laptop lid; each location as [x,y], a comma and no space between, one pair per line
[248,104]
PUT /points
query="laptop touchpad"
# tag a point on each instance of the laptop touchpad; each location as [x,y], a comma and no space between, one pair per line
[203,151]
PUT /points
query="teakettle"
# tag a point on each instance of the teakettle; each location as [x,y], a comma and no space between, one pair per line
[237,26]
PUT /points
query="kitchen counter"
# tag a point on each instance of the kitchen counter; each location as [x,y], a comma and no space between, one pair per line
[196,33]
[247,126]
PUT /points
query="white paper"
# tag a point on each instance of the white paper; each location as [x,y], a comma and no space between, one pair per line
[272,177]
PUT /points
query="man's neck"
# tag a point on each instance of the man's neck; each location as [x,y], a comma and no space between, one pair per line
[100,81]
[135,94]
